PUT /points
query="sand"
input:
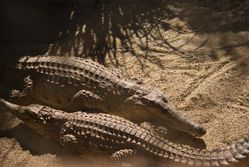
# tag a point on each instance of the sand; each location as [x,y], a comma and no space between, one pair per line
[196,53]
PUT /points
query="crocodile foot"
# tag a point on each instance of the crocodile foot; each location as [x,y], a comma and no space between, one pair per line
[122,156]
[28,83]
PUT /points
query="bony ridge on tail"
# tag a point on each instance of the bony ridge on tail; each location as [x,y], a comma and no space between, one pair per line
[115,135]
[72,84]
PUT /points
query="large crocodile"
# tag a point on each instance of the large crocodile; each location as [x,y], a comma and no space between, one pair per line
[117,136]
[71,84]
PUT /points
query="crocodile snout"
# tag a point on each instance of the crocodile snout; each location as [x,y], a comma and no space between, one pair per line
[198,130]
[178,121]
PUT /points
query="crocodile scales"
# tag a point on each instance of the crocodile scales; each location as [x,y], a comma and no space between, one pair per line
[117,136]
[71,84]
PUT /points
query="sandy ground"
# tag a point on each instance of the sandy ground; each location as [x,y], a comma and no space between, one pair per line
[196,53]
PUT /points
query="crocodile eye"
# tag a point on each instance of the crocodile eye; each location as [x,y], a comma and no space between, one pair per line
[165,99]
[30,113]
[147,101]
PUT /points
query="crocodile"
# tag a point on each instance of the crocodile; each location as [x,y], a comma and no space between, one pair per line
[118,137]
[73,83]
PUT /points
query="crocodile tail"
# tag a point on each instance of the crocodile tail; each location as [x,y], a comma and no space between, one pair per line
[216,157]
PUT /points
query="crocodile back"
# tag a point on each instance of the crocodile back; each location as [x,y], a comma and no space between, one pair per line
[57,79]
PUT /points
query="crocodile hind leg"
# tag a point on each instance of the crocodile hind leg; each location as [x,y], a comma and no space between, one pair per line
[22,96]
[68,140]
[155,130]
[122,156]
[118,155]
[130,158]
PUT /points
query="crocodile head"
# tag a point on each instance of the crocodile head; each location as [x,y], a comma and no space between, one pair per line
[37,117]
[154,105]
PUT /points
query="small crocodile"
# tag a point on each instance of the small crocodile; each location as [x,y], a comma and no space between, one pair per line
[72,84]
[105,133]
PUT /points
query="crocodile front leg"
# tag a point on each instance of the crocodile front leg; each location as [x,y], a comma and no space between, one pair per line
[22,95]
[68,139]
[87,99]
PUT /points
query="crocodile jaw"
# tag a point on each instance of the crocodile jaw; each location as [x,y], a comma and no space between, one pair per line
[153,106]
[176,120]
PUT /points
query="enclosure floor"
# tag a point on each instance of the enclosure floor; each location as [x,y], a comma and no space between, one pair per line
[196,54]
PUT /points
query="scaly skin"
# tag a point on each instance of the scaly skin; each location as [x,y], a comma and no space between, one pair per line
[117,136]
[72,84]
